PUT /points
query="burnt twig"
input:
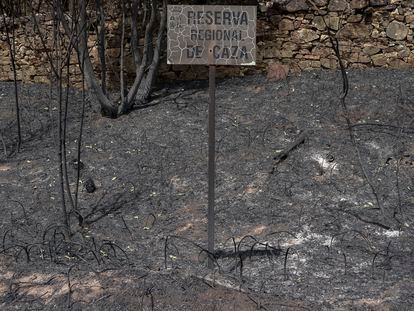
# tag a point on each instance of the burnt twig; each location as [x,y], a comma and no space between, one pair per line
[285,264]
[281,156]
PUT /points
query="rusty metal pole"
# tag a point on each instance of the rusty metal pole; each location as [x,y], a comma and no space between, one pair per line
[211,160]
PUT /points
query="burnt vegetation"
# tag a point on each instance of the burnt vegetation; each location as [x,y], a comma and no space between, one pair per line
[315,179]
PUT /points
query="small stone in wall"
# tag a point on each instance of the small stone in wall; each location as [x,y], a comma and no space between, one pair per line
[329,63]
[271,52]
[290,46]
[354,31]
[371,49]
[399,64]
[375,34]
[404,52]
[354,18]
[277,71]
[338,5]
[319,23]
[379,60]
[397,30]
[322,51]
[333,22]
[286,53]
[378,2]
[312,57]
[275,19]
[359,58]
[309,64]
[286,25]
[359,4]
[296,5]
[320,2]
[304,35]
[409,19]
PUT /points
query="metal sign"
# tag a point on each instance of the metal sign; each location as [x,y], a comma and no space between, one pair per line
[211,35]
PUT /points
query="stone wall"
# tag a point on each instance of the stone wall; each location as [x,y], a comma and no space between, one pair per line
[31,58]
[371,33]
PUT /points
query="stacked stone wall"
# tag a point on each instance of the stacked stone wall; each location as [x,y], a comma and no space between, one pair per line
[371,33]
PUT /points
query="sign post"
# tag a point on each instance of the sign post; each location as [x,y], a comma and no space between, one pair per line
[211,35]
[211,159]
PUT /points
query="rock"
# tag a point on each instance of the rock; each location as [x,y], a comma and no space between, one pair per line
[30,71]
[332,22]
[286,25]
[305,64]
[290,46]
[316,64]
[321,2]
[399,64]
[89,185]
[379,60]
[375,34]
[304,35]
[323,52]
[275,19]
[371,49]
[409,19]
[408,4]
[321,12]
[378,2]
[359,58]
[296,5]
[359,4]
[354,18]
[354,31]
[397,30]
[277,71]
[329,63]
[319,23]
[286,53]
[271,52]
[405,52]
[338,5]
[312,57]
[399,18]
[40,79]
[358,66]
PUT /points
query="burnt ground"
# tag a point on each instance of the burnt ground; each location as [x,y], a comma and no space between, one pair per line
[319,240]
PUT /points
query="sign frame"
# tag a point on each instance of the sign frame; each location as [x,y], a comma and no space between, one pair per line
[211,35]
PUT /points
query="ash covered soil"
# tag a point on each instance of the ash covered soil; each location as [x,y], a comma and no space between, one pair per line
[329,227]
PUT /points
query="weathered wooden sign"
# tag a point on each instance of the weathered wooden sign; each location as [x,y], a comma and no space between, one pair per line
[211,35]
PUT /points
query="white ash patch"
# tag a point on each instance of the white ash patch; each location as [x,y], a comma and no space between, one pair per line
[325,164]
[392,233]
[307,236]
[374,145]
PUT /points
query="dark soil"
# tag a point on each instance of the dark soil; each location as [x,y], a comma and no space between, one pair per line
[305,232]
